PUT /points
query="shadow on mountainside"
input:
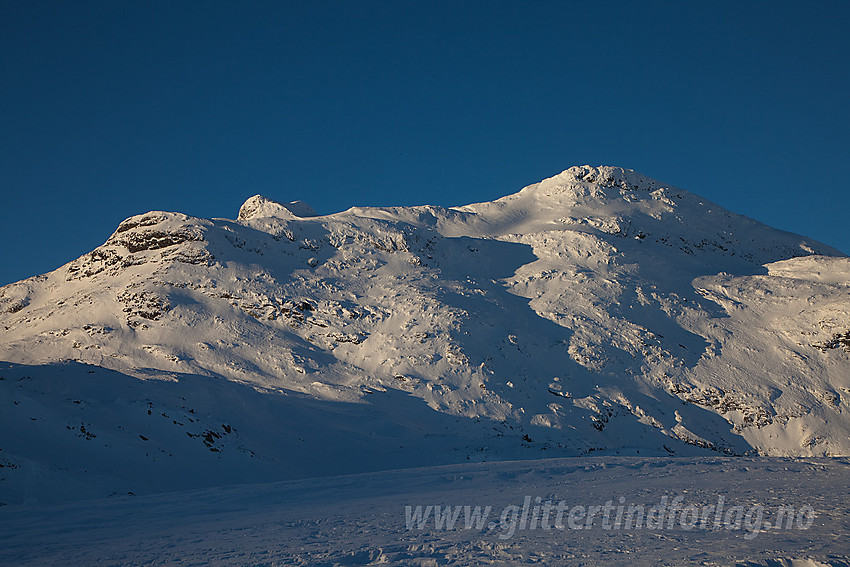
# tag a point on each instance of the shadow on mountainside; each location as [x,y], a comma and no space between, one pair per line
[71,431]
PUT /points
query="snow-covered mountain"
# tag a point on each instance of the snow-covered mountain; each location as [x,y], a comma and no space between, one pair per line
[596,311]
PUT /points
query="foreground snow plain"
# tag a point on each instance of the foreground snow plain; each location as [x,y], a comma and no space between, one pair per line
[640,340]
[363,519]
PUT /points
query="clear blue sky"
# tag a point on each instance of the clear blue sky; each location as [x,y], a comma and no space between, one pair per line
[113,108]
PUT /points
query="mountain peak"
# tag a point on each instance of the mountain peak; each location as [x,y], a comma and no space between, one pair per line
[597,310]
[608,176]
[259,206]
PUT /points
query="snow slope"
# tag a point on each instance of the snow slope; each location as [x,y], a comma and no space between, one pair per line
[596,311]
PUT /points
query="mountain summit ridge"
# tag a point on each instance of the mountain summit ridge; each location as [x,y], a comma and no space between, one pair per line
[597,310]
[608,176]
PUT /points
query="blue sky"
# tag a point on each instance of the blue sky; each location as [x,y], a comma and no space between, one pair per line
[111,109]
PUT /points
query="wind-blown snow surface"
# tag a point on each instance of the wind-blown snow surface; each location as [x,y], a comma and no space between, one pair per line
[596,311]
[363,519]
